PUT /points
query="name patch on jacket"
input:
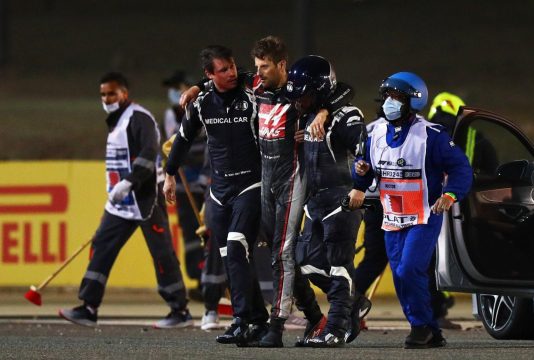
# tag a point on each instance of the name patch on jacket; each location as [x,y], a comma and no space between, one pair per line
[226,120]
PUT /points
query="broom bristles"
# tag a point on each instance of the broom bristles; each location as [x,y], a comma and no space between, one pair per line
[33,296]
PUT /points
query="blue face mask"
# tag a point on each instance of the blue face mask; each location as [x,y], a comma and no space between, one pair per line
[174,96]
[392,109]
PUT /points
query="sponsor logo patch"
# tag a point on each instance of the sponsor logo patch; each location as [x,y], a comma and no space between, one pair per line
[272,121]
[241,105]
[401,162]
[289,86]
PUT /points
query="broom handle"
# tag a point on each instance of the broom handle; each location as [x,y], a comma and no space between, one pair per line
[65,263]
[192,201]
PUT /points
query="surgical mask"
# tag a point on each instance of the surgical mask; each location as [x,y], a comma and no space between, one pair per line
[392,109]
[174,96]
[109,108]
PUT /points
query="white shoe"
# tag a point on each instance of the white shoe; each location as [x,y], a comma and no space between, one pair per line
[210,320]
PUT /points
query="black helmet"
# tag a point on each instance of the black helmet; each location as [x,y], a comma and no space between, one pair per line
[311,73]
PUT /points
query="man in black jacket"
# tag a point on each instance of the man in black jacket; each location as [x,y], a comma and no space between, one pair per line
[134,200]
[283,183]
[325,251]
[228,113]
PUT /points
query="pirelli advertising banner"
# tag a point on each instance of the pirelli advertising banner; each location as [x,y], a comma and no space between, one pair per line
[49,208]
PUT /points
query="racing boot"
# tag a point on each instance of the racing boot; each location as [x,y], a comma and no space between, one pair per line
[329,338]
[313,329]
[360,309]
[251,338]
[234,333]
[273,338]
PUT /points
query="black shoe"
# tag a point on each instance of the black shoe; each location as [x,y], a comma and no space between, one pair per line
[81,315]
[438,340]
[252,337]
[326,340]
[312,330]
[273,338]
[360,309]
[422,337]
[234,333]
[176,319]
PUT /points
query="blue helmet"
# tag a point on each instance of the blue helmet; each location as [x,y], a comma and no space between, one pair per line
[311,73]
[410,85]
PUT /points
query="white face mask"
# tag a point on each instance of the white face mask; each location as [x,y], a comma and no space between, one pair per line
[174,96]
[392,109]
[109,108]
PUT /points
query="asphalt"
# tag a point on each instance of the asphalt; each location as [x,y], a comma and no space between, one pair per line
[142,303]
[125,332]
[65,341]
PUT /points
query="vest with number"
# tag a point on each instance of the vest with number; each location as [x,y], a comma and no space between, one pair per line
[402,177]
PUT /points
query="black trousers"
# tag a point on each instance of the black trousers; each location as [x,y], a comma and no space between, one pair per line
[325,253]
[213,279]
[109,239]
[375,258]
[194,252]
[235,227]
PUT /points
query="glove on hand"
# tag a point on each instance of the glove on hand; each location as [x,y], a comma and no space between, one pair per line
[120,191]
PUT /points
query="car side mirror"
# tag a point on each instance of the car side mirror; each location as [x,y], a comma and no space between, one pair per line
[517,171]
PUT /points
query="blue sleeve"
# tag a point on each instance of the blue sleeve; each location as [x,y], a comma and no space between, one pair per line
[453,162]
[363,182]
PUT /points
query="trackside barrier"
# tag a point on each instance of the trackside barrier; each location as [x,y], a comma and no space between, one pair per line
[49,208]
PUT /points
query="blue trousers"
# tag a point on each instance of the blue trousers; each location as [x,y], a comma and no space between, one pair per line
[409,252]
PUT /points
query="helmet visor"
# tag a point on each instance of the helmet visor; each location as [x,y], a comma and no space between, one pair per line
[400,86]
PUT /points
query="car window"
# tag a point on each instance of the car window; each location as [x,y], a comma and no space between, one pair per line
[498,230]
[489,144]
